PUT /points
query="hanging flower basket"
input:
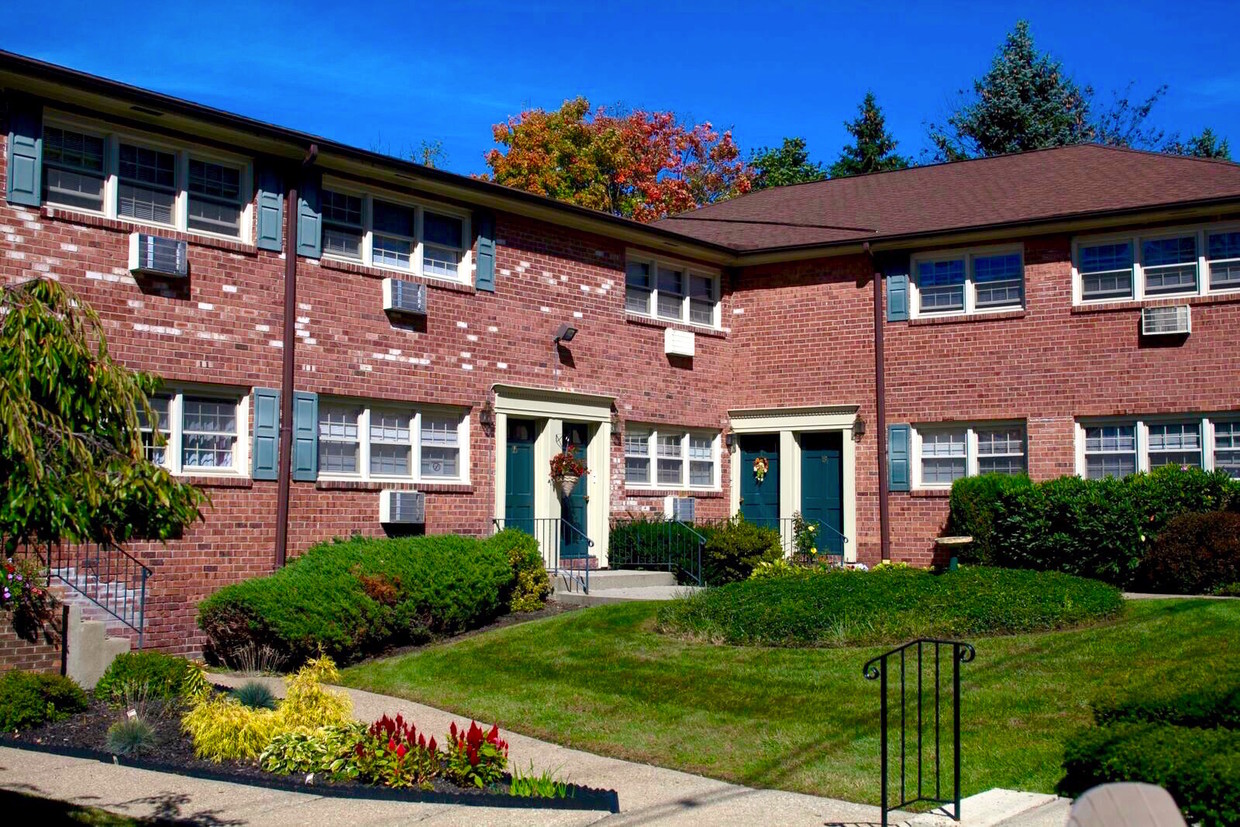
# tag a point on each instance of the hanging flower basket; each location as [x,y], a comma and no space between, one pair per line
[760,467]
[565,485]
[566,471]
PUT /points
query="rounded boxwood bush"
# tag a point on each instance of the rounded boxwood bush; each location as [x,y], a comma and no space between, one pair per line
[29,698]
[888,605]
[152,674]
[349,599]
[1194,554]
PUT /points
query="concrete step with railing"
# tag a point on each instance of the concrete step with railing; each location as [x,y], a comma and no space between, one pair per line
[622,586]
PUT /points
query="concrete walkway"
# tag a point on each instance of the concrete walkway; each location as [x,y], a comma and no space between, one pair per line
[648,795]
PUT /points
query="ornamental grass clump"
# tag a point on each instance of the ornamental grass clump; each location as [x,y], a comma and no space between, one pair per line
[131,737]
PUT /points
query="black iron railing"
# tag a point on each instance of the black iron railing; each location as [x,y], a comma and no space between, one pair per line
[656,544]
[928,703]
[553,535]
[103,574]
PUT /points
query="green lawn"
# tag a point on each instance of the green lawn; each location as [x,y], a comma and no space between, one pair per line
[800,719]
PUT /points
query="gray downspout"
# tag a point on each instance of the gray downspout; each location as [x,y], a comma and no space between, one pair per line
[880,398]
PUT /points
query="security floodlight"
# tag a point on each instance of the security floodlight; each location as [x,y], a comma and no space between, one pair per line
[565,334]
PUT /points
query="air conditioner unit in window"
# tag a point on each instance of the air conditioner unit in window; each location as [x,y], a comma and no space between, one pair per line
[404,297]
[402,507]
[1166,321]
[679,508]
[157,255]
[678,342]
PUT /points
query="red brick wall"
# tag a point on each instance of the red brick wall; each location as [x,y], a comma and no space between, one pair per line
[39,655]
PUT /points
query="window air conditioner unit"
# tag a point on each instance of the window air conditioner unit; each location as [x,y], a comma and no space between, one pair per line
[402,507]
[1166,321]
[679,508]
[404,297]
[157,255]
[678,342]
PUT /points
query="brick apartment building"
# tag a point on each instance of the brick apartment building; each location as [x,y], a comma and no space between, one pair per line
[871,338]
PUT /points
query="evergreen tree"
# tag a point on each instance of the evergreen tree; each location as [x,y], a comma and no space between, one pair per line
[1204,145]
[1026,101]
[788,164]
[874,149]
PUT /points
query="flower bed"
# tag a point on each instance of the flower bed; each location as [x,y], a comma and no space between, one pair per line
[307,742]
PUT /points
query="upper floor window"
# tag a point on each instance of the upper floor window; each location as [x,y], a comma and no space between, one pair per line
[370,230]
[671,291]
[196,432]
[1116,448]
[130,178]
[964,281]
[663,458]
[1178,262]
[945,453]
[382,441]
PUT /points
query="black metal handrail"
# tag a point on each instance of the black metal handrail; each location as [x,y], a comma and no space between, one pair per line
[551,533]
[656,544]
[105,575]
[878,668]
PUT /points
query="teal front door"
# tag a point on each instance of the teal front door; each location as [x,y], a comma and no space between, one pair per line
[822,488]
[573,541]
[760,500]
[519,477]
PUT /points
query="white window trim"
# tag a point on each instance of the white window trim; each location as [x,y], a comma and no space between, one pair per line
[419,206]
[971,454]
[970,285]
[113,138]
[652,448]
[1200,232]
[1141,432]
[688,269]
[416,412]
[241,448]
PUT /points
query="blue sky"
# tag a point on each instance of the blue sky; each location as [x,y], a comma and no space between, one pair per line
[386,75]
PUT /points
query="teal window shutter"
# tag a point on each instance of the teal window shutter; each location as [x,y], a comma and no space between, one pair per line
[898,447]
[895,270]
[270,211]
[25,161]
[305,436]
[309,218]
[484,275]
[266,433]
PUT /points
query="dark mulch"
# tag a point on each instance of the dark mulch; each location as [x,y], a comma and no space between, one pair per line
[173,751]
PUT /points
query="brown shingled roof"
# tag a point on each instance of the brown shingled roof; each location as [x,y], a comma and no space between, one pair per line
[1008,189]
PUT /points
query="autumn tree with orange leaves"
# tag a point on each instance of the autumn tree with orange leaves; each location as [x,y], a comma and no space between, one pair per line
[640,165]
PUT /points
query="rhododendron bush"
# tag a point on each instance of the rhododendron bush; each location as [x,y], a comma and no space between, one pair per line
[640,165]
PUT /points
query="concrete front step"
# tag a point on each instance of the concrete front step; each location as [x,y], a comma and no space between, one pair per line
[623,579]
[1001,808]
[599,598]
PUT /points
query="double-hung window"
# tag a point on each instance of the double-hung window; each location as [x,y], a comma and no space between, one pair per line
[1189,261]
[947,453]
[671,291]
[677,459]
[374,231]
[144,180]
[381,441]
[1116,448]
[968,281]
[196,431]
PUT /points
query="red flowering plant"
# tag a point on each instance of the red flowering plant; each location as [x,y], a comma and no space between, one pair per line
[566,464]
[475,757]
[394,754]
[22,594]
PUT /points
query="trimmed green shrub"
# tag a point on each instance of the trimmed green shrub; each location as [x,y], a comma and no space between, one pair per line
[1205,708]
[1199,767]
[1100,528]
[1194,554]
[531,585]
[351,598]
[974,502]
[28,699]
[152,674]
[735,547]
[648,540]
[888,605]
